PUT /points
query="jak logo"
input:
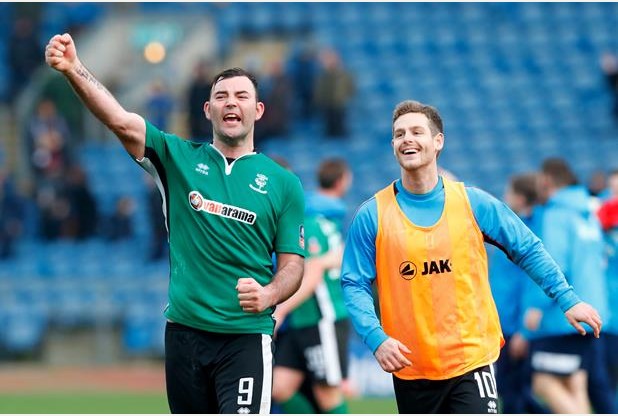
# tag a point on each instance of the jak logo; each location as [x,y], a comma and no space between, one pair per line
[436,267]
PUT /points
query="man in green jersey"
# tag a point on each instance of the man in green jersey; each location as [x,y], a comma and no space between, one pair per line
[227,210]
[312,350]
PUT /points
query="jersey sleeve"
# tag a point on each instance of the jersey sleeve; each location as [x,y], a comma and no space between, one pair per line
[503,228]
[157,152]
[316,243]
[358,272]
[290,236]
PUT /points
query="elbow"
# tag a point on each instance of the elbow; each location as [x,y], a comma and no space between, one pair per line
[128,133]
[120,126]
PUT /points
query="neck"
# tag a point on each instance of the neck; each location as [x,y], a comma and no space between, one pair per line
[525,212]
[333,192]
[233,150]
[419,181]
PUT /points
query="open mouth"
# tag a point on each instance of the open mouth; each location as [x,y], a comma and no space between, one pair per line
[231,118]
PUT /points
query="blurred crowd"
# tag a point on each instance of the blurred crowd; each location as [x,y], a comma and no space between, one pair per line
[311,84]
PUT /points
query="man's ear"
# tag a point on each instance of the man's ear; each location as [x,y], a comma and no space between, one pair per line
[439,141]
[259,110]
[207,109]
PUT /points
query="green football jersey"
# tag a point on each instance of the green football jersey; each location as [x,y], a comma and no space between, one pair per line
[327,302]
[224,221]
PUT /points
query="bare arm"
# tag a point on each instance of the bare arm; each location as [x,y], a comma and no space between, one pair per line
[314,273]
[256,298]
[130,128]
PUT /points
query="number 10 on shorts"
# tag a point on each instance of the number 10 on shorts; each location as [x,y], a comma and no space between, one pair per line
[486,384]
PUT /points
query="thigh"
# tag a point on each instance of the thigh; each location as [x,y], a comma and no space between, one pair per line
[420,396]
[474,392]
[243,374]
[288,352]
[189,389]
[561,355]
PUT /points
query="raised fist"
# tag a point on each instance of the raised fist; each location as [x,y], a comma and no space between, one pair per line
[60,53]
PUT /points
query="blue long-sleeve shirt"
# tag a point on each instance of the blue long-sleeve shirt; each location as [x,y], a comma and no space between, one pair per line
[499,225]
[572,235]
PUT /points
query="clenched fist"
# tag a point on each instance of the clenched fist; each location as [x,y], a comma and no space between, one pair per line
[252,296]
[60,53]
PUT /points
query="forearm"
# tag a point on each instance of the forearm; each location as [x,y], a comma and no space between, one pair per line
[286,281]
[128,127]
[313,275]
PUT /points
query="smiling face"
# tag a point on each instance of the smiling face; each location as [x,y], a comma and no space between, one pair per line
[233,109]
[414,144]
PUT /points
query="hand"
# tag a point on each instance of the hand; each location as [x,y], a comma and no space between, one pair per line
[60,53]
[279,316]
[518,347]
[390,357]
[253,297]
[532,319]
[582,312]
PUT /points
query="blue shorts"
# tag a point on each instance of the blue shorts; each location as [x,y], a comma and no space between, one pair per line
[561,355]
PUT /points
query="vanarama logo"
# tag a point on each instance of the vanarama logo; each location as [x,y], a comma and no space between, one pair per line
[199,203]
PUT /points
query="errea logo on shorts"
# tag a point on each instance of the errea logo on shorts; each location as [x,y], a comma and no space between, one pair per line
[199,203]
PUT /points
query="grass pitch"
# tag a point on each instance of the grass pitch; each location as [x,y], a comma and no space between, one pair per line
[133,403]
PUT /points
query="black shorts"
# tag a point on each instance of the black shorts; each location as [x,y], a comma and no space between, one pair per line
[208,372]
[562,355]
[320,351]
[473,392]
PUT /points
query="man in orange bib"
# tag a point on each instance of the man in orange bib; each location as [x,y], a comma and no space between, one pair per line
[421,240]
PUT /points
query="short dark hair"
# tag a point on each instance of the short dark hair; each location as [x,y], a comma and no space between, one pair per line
[524,184]
[559,171]
[330,171]
[432,114]
[235,72]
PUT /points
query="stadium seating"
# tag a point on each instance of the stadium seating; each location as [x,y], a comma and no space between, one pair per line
[515,83]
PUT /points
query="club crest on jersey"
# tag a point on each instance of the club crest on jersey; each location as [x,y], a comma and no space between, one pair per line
[260,182]
[199,203]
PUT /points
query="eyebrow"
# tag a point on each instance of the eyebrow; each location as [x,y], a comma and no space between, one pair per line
[227,92]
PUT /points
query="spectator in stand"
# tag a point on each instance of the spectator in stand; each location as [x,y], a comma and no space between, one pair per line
[24,51]
[200,127]
[120,224]
[82,221]
[11,217]
[303,68]
[47,136]
[277,92]
[597,184]
[160,105]
[609,66]
[335,87]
